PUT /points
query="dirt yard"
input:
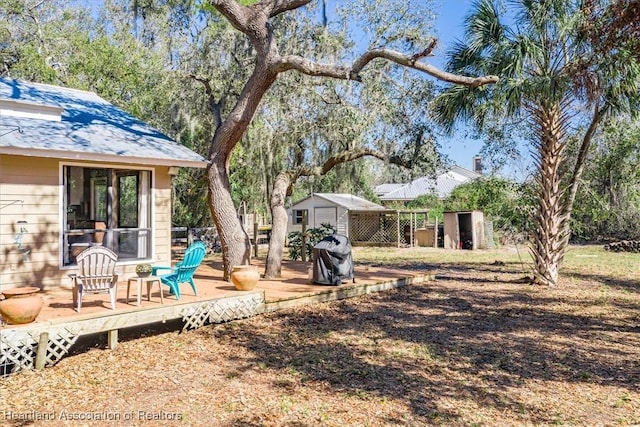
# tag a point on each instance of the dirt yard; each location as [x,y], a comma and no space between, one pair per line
[477,346]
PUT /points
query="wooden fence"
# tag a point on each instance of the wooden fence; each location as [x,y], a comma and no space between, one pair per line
[181,237]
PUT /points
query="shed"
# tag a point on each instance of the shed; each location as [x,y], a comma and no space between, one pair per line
[77,171]
[464,230]
[329,208]
[362,221]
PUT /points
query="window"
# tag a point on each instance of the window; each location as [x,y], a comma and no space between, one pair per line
[110,207]
[300,215]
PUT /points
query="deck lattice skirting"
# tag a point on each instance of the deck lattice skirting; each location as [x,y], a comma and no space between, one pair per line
[44,344]
[19,348]
[39,345]
[222,310]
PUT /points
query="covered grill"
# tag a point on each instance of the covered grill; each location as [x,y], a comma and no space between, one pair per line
[332,261]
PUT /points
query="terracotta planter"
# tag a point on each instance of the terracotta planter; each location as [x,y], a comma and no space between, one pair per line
[245,277]
[21,305]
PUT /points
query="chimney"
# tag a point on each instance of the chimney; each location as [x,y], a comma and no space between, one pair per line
[477,164]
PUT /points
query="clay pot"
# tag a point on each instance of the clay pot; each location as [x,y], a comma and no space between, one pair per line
[21,305]
[245,277]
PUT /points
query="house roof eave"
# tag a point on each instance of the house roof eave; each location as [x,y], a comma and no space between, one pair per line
[87,156]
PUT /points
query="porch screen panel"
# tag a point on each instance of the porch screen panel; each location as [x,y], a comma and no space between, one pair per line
[144,235]
[109,207]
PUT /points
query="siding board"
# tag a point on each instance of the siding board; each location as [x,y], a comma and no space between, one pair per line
[34,184]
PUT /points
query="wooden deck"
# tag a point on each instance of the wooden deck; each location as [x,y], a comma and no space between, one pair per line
[48,339]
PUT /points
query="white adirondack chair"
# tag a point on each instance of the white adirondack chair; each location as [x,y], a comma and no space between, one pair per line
[96,274]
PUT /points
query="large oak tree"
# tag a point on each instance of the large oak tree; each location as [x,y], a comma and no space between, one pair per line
[255,22]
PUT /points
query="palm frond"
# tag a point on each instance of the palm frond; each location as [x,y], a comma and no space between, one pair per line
[456,104]
[484,29]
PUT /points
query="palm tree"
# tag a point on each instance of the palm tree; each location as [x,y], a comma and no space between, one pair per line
[554,75]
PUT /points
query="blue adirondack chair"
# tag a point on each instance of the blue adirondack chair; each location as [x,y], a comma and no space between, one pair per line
[183,271]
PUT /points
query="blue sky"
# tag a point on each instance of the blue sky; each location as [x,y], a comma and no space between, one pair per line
[459,148]
[449,22]
[449,27]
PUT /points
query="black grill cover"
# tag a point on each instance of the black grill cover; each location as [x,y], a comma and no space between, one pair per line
[332,262]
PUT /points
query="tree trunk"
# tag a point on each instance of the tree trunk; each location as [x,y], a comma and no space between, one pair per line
[278,227]
[236,249]
[236,244]
[282,187]
[551,235]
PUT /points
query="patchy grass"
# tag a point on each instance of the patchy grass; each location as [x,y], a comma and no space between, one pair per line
[477,346]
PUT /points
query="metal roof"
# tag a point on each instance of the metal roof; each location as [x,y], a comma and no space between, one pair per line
[347,201]
[442,186]
[464,172]
[386,188]
[75,124]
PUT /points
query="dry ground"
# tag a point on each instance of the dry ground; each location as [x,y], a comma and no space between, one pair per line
[477,346]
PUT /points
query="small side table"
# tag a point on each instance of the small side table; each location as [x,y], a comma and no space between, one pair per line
[149,280]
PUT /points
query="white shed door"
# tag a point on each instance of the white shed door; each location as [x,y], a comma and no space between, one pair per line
[325,216]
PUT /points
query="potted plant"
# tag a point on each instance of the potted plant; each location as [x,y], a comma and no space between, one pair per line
[143,270]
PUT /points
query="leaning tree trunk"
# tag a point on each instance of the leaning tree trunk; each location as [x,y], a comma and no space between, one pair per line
[279,220]
[236,249]
[236,244]
[551,236]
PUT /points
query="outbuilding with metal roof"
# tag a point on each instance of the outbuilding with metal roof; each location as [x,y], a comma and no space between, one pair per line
[364,222]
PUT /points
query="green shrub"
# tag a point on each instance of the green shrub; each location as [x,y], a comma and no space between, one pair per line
[314,235]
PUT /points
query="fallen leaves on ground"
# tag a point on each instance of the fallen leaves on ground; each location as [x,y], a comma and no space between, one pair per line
[474,347]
